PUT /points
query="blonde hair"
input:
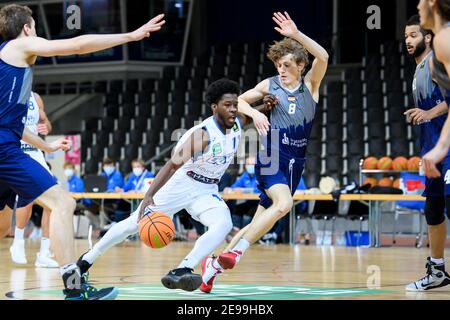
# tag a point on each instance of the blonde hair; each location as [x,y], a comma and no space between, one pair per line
[288,46]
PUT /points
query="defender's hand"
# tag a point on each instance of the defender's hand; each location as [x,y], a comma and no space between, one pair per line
[285,24]
[153,25]
[261,122]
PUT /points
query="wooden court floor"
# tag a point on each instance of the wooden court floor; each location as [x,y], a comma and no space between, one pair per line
[265,272]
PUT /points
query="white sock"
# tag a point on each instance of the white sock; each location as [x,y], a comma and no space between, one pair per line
[18,234]
[67,268]
[45,246]
[219,224]
[212,270]
[116,234]
[242,245]
[438,261]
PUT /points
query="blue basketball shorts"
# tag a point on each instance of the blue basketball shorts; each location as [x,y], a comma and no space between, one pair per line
[286,170]
[21,175]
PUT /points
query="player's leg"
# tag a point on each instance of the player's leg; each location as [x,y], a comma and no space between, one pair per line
[436,276]
[213,213]
[115,235]
[5,221]
[17,248]
[241,232]
[43,257]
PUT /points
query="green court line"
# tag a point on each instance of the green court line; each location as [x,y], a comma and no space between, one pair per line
[227,292]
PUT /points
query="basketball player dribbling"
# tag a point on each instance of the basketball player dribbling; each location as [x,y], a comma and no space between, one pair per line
[435,15]
[279,170]
[189,181]
[38,123]
[19,173]
[429,101]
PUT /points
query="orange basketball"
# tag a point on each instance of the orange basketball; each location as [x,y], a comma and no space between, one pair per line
[370,163]
[372,181]
[396,183]
[413,164]
[400,164]
[156,230]
[384,163]
[385,182]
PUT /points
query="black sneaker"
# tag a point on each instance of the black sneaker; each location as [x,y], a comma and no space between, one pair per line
[182,278]
[436,277]
[84,291]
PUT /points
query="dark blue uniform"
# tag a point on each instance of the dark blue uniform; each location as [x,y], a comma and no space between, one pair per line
[291,121]
[19,173]
[427,95]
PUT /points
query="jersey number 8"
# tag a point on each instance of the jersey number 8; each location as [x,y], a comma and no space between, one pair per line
[291,108]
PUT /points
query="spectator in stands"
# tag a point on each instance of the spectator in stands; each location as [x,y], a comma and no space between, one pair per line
[242,213]
[138,180]
[114,177]
[74,183]
[275,235]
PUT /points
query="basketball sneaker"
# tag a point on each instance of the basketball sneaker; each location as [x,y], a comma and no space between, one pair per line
[182,278]
[44,261]
[85,291]
[436,277]
[209,272]
[17,251]
[229,259]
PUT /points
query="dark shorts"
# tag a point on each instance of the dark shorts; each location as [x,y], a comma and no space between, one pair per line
[21,175]
[288,171]
[439,187]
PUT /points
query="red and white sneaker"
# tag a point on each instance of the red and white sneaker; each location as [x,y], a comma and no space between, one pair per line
[229,259]
[207,266]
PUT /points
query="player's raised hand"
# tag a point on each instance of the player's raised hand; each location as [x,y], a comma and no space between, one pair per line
[153,25]
[285,24]
[431,159]
[60,144]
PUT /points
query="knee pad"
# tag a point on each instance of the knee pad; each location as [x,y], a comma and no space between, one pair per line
[434,210]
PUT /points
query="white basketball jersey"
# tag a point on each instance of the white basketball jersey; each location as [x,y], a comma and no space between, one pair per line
[32,121]
[210,166]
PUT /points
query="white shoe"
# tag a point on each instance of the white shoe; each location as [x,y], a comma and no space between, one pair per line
[17,251]
[436,278]
[43,261]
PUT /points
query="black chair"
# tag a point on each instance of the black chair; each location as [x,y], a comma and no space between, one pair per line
[376,130]
[124,123]
[355,147]
[136,136]
[377,147]
[91,166]
[119,137]
[102,138]
[325,211]
[148,151]
[131,151]
[97,151]
[114,152]
[355,130]
[334,131]
[107,123]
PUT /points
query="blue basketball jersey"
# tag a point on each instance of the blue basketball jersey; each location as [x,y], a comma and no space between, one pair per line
[291,119]
[441,76]
[15,90]
[427,95]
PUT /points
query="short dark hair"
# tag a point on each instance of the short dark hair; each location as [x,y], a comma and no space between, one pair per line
[415,21]
[108,161]
[443,7]
[12,19]
[140,161]
[218,88]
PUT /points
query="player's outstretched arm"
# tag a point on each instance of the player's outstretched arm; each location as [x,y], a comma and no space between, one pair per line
[434,156]
[257,93]
[35,140]
[287,28]
[36,46]
[269,102]
[442,48]
[194,145]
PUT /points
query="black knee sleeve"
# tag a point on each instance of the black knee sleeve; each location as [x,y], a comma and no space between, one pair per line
[434,210]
